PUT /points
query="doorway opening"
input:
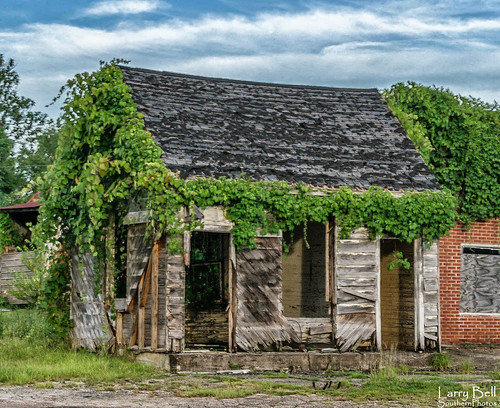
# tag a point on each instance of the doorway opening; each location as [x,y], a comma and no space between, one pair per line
[207,291]
[397,289]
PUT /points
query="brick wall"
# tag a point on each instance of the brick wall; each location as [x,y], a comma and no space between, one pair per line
[457,327]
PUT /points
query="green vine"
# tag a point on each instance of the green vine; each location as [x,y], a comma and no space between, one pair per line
[459,138]
[106,158]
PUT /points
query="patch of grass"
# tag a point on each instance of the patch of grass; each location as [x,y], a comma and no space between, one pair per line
[28,324]
[440,361]
[387,387]
[22,362]
[466,367]
[44,385]
[495,375]
[31,353]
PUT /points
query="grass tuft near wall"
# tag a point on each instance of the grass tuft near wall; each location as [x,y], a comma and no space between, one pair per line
[31,352]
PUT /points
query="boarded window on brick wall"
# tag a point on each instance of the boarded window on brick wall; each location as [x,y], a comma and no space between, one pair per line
[480,279]
[304,272]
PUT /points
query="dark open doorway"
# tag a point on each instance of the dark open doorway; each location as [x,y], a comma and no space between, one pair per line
[397,300]
[207,290]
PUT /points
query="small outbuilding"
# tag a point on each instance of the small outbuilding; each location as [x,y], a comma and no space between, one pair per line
[326,291]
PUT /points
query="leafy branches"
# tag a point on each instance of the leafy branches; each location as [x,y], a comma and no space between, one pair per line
[459,138]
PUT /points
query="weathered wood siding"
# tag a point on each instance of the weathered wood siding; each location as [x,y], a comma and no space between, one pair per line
[313,330]
[12,262]
[175,301]
[207,327]
[259,319]
[356,273]
[91,328]
[138,251]
[429,285]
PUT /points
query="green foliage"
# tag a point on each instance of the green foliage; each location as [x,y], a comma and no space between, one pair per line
[28,325]
[28,287]
[440,361]
[24,127]
[105,158]
[399,262]
[9,235]
[9,179]
[459,138]
[33,352]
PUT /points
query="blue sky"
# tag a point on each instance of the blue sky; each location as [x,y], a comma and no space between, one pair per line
[454,44]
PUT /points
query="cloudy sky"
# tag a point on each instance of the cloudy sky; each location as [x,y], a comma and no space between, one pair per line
[449,43]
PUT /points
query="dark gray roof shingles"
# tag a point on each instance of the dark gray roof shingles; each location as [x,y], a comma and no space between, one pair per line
[324,137]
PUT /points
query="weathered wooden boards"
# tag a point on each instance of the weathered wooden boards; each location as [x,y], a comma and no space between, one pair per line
[91,329]
[356,274]
[429,286]
[259,321]
[12,262]
[254,318]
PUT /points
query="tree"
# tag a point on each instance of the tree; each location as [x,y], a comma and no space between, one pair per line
[27,137]
[9,179]
[459,138]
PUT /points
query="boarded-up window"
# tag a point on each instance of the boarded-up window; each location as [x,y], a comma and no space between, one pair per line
[304,272]
[480,280]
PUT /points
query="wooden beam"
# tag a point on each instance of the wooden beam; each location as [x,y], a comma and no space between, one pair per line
[328,296]
[119,330]
[143,292]
[154,294]
[378,300]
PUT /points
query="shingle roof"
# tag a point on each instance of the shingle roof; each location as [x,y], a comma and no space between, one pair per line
[324,137]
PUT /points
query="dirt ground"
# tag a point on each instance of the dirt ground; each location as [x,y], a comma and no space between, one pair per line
[29,397]
[150,394]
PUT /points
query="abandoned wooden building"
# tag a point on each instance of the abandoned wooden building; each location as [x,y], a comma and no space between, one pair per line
[331,293]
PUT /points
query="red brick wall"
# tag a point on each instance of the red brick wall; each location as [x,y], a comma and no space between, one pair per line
[456,327]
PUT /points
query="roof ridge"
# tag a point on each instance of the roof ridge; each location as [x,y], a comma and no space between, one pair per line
[247,82]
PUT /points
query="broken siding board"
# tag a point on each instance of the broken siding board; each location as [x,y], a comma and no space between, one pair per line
[138,252]
[355,246]
[353,328]
[429,325]
[90,325]
[259,320]
[355,272]
[356,288]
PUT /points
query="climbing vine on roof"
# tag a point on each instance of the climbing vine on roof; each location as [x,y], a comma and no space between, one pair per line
[106,158]
[459,138]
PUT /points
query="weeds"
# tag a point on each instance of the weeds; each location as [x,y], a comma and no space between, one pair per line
[32,353]
[466,367]
[440,361]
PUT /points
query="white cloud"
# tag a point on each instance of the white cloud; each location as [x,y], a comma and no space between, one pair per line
[340,47]
[122,7]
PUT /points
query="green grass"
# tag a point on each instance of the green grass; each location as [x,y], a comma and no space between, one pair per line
[31,353]
[440,361]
